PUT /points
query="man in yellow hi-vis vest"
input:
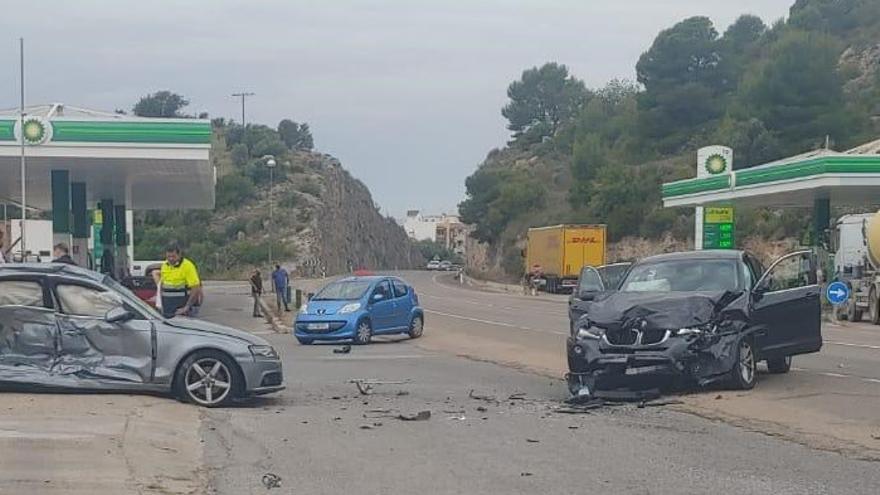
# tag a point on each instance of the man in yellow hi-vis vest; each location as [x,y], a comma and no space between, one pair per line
[179,285]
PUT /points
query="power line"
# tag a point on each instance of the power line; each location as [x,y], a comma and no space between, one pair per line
[243,95]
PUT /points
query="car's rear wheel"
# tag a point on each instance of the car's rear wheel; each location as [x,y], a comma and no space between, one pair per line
[416,327]
[745,372]
[779,365]
[363,333]
[208,378]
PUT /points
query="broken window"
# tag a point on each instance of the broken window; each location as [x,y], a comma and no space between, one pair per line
[21,293]
[79,300]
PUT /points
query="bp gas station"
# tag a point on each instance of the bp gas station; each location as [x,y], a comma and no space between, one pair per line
[91,169]
[819,179]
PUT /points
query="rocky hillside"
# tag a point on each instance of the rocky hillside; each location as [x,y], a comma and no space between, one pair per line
[324,220]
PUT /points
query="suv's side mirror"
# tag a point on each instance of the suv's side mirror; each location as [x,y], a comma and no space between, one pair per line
[118,315]
[587,295]
[761,287]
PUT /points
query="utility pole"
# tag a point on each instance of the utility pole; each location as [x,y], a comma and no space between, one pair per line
[243,95]
[23,160]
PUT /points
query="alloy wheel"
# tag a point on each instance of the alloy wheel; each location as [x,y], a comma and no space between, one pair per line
[364,333]
[416,327]
[208,381]
[746,362]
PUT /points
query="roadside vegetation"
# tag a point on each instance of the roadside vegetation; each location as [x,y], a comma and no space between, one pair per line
[236,233]
[599,155]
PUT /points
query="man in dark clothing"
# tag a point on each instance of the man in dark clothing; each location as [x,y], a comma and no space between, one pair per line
[61,253]
[257,291]
[280,281]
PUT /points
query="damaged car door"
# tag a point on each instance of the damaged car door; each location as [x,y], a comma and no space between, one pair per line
[787,306]
[27,332]
[100,337]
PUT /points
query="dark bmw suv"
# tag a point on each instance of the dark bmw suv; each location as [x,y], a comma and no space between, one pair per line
[703,315]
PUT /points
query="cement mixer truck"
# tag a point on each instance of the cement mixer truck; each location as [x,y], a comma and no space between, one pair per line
[856,243]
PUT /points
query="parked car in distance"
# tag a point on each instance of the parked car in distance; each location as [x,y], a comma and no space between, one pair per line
[707,316]
[433,265]
[357,308]
[65,327]
[445,266]
[593,283]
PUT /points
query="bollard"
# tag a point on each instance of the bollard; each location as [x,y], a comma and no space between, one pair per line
[299,298]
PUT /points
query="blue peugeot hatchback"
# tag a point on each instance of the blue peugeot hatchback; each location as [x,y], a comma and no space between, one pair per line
[356,308]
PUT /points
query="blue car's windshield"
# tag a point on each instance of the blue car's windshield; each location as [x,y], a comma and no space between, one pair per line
[347,290]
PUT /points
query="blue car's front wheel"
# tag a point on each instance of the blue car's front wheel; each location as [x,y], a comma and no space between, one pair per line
[416,327]
[363,334]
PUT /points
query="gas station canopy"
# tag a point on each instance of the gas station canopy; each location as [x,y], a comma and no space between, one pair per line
[144,163]
[844,178]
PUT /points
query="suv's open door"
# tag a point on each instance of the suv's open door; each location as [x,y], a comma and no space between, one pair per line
[787,304]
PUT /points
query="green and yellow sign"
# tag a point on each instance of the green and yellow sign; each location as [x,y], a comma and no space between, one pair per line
[718,228]
[34,130]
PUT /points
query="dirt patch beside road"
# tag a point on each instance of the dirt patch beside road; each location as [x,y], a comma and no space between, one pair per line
[98,444]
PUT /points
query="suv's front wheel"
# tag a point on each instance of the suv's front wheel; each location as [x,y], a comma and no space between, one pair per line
[745,372]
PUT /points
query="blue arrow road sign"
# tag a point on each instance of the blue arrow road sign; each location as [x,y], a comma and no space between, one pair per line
[837,293]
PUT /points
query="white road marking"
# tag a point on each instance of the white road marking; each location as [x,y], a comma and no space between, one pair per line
[836,375]
[848,344]
[491,322]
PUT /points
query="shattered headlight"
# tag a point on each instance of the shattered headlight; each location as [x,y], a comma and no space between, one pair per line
[304,309]
[593,333]
[706,328]
[349,308]
[264,352]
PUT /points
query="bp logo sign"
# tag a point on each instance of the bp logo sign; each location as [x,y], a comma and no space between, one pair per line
[34,131]
[716,164]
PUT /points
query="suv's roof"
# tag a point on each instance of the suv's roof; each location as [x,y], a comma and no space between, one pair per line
[706,254]
[13,269]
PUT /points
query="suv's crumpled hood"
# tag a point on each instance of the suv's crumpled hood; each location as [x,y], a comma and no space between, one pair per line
[204,326]
[659,310]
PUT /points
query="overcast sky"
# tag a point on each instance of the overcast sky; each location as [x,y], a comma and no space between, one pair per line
[406,93]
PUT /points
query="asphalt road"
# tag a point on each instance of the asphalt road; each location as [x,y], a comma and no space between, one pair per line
[830,400]
[321,435]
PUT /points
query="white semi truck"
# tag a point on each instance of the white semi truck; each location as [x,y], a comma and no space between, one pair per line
[856,242]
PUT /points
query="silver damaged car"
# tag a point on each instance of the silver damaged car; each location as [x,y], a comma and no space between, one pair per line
[63,327]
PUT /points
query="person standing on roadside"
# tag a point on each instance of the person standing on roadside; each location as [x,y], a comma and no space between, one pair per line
[179,284]
[257,292]
[280,281]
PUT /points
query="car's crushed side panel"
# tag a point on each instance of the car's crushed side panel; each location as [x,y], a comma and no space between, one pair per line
[39,348]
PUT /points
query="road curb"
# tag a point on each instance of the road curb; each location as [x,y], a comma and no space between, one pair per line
[275,322]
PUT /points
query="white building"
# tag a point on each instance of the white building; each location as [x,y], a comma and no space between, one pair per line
[445,229]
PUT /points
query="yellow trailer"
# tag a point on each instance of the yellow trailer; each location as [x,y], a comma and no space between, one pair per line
[559,252]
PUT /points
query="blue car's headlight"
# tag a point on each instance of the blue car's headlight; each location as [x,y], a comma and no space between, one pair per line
[304,309]
[263,352]
[349,308]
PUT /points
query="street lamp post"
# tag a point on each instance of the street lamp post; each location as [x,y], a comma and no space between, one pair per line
[270,163]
